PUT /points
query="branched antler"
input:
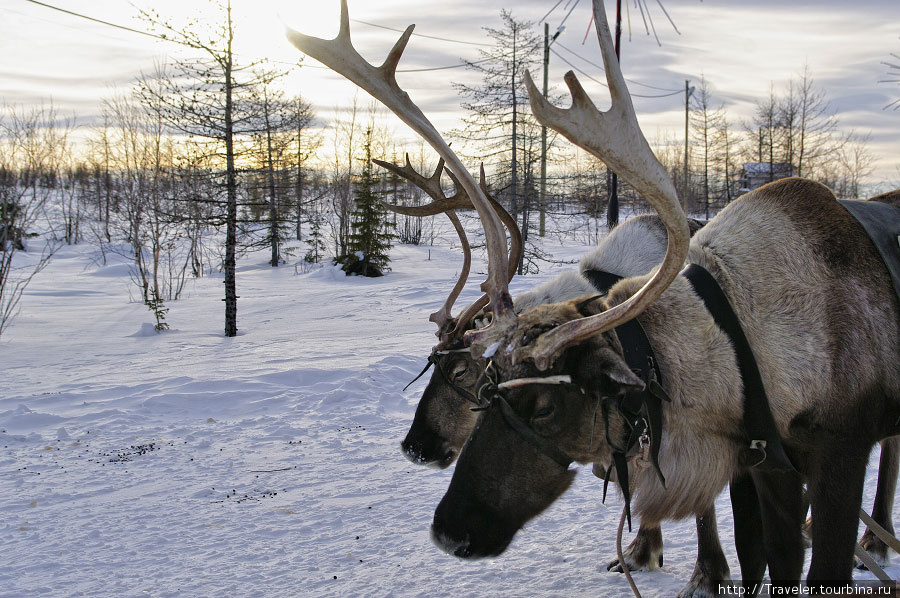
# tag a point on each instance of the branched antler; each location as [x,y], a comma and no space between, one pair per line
[446,204]
[432,186]
[615,137]
[339,55]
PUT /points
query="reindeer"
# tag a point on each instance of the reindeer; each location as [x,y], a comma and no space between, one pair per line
[445,414]
[557,367]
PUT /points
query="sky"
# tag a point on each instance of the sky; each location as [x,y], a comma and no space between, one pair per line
[741,48]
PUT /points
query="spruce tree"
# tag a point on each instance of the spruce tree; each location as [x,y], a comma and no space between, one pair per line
[315,240]
[370,239]
[156,305]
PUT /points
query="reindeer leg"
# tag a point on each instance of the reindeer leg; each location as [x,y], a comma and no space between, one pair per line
[711,570]
[644,552]
[748,531]
[884,501]
[783,513]
[835,482]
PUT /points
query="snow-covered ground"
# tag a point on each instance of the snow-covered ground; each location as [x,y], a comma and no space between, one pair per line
[188,464]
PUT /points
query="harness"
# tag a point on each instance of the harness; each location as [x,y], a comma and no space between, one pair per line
[881,222]
[642,410]
[765,447]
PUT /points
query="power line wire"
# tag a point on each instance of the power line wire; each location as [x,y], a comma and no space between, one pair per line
[164,38]
[595,65]
[443,39]
[422,70]
[634,95]
[168,39]
[107,23]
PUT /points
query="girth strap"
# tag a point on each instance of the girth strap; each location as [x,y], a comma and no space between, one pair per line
[759,424]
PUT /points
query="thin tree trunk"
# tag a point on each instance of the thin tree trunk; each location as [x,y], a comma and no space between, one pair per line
[231,188]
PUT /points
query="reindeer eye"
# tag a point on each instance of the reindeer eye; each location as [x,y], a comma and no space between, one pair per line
[459,373]
[544,412]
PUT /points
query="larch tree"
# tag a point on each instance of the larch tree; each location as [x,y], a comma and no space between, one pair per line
[705,121]
[202,97]
[498,124]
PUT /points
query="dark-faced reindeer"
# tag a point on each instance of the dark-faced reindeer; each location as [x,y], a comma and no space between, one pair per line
[810,292]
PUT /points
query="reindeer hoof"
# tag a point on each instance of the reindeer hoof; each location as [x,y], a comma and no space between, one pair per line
[877,549]
[644,553]
[703,586]
[633,565]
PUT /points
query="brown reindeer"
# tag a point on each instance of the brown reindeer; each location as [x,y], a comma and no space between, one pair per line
[816,305]
[578,336]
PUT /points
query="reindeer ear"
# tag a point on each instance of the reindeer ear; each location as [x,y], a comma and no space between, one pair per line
[615,372]
[589,306]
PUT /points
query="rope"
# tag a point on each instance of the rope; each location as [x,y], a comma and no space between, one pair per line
[621,556]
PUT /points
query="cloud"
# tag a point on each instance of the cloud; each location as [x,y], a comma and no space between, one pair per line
[740,48]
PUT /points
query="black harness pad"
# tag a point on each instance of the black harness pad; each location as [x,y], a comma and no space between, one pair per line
[881,222]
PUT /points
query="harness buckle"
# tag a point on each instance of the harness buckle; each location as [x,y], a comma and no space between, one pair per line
[643,460]
[760,446]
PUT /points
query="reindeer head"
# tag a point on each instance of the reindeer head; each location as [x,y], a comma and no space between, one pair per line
[534,426]
[445,417]
[537,424]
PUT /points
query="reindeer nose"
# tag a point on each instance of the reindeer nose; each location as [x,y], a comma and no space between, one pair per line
[429,451]
[456,548]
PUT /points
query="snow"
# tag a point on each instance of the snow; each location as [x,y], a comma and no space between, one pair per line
[184,463]
[491,350]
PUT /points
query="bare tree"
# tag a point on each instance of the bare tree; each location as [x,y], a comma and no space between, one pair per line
[31,146]
[150,213]
[856,162]
[201,97]
[271,141]
[307,143]
[496,119]
[344,139]
[726,155]
[815,124]
[706,121]
[763,131]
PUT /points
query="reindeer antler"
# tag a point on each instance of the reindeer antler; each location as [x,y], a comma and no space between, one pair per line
[442,203]
[339,55]
[615,137]
[432,186]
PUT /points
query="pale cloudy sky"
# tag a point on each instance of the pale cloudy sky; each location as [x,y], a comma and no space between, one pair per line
[741,47]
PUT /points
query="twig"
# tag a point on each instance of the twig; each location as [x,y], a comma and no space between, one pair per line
[270,470]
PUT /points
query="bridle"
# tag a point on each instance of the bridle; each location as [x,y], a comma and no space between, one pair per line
[640,410]
[492,393]
[434,360]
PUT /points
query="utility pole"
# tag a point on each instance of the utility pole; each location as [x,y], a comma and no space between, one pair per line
[542,205]
[612,209]
[684,185]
